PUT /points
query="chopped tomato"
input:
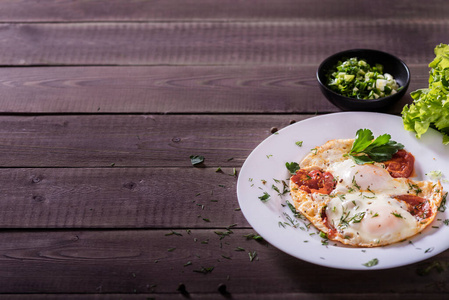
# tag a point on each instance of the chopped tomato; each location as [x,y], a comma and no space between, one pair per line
[401,164]
[314,181]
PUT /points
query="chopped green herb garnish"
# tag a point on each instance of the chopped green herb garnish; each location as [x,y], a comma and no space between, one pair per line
[264,197]
[371,263]
[397,215]
[292,208]
[442,207]
[357,218]
[429,250]
[415,188]
[299,143]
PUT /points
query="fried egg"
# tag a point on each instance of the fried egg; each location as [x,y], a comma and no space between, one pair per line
[361,205]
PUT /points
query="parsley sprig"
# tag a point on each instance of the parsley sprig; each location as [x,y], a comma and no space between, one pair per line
[366,149]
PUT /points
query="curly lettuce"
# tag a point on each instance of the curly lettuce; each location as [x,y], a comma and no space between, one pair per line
[430,107]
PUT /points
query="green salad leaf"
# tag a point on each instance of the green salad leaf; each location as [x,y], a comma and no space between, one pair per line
[430,107]
[366,149]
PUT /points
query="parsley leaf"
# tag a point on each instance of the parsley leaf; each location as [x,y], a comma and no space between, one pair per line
[292,167]
[366,149]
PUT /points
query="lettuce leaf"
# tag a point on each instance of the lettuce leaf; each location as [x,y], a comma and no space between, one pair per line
[430,107]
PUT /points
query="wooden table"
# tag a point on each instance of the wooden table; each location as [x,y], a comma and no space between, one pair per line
[102,104]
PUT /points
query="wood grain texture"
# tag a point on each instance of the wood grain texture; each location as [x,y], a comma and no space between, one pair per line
[223,10]
[245,296]
[119,198]
[212,43]
[169,89]
[133,140]
[149,261]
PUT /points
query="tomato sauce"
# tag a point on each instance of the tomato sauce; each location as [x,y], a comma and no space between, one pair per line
[417,206]
[401,164]
[314,181]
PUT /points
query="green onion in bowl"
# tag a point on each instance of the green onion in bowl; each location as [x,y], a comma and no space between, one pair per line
[355,78]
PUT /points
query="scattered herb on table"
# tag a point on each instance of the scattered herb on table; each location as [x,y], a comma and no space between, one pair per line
[223,234]
[188,264]
[173,233]
[252,255]
[196,159]
[253,236]
[204,270]
[425,270]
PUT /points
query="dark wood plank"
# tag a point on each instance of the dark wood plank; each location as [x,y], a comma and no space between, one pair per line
[214,43]
[133,140]
[119,198]
[169,89]
[224,10]
[246,296]
[106,262]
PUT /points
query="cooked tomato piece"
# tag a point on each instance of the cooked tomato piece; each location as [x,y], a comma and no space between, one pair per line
[401,164]
[417,206]
[314,181]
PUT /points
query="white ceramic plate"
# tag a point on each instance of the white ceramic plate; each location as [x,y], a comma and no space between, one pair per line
[265,167]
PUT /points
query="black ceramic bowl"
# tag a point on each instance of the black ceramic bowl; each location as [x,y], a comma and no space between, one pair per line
[392,65]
